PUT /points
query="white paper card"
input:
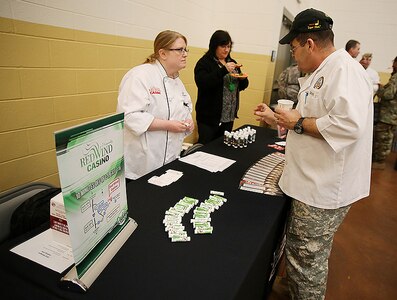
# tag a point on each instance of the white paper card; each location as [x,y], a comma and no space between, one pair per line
[43,250]
[210,162]
[166,179]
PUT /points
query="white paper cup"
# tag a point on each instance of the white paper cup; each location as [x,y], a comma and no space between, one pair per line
[285,104]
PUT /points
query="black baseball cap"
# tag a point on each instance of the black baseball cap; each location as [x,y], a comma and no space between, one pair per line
[309,20]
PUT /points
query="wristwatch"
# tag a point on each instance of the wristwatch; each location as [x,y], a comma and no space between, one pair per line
[298,128]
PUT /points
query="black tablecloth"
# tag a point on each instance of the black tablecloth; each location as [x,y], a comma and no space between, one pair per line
[232,263]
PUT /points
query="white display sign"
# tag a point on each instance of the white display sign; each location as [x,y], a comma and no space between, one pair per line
[91,170]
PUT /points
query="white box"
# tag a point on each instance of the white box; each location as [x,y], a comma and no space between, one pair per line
[58,222]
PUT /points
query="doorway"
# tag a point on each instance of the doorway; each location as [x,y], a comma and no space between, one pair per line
[284,58]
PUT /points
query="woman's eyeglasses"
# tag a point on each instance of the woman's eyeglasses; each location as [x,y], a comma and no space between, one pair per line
[180,50]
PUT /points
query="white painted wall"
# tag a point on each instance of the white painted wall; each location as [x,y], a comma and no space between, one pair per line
[253,24]
[371,22]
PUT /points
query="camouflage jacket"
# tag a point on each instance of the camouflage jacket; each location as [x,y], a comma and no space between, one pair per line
[288,85]
[388,101]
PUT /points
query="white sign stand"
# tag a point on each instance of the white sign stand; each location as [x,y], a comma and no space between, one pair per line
[91,169]
[71,281]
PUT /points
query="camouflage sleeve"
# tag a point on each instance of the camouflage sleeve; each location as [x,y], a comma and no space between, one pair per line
[292,92]
[389,91]
[282,85]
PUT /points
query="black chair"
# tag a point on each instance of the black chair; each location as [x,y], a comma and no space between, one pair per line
[11,199]
[193,148]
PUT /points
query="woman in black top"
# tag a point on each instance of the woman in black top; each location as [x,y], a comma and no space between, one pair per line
[218,88]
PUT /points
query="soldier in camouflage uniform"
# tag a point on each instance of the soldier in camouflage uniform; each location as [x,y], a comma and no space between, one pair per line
[385,128]
[310,235]
[288,85]
[328,152]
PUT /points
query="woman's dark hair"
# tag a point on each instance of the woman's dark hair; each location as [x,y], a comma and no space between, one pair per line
[219,38]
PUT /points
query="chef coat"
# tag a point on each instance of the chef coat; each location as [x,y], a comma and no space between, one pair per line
[374,76]
[335,171]
[146,93]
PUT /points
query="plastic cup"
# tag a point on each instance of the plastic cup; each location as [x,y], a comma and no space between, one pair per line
[285,104]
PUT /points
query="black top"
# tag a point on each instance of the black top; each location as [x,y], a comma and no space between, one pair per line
[208,75]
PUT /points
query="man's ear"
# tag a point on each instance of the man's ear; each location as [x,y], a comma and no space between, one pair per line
[311,44]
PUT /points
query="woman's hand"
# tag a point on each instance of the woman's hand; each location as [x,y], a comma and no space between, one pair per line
[179,126]
[230,66]
[189,125]
[172,125]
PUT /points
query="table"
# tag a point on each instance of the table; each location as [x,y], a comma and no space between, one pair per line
[232,263]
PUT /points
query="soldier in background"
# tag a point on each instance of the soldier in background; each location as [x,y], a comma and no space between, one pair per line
[365,61]
[288,85]
[384,130]
[353,48]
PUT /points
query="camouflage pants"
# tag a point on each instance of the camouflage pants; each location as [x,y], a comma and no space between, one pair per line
[309,241]
[383,139]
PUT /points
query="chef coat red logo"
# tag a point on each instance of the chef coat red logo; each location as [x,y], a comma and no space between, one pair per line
[154,91]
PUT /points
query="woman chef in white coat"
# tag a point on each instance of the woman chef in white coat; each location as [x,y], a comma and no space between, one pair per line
[157,108]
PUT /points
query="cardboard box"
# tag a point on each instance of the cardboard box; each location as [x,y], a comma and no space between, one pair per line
[58,222]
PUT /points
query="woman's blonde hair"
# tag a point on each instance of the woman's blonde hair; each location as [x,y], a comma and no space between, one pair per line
[164,40]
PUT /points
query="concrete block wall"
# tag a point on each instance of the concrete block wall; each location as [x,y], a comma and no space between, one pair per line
[55,77]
